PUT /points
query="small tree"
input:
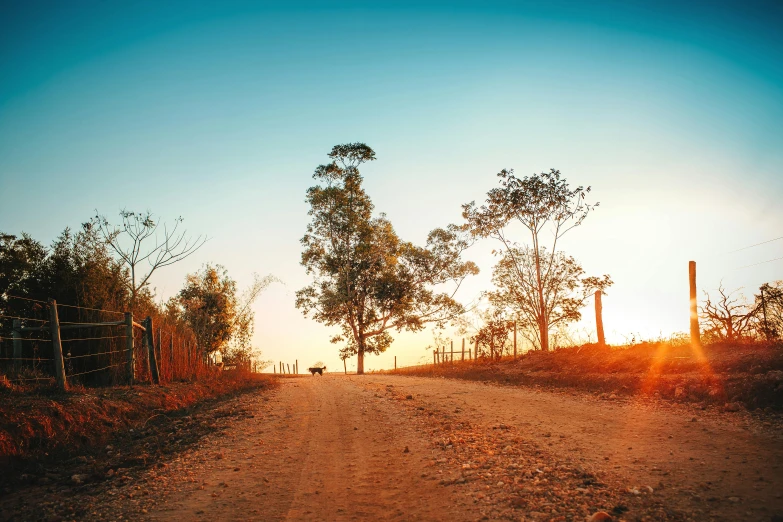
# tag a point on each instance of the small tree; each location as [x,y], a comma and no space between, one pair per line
[144,247]
[729,317]
[494,334]
[565,290]
[539,202]
[367,280]
[222,320]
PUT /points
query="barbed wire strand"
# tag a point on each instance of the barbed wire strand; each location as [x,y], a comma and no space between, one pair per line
[93,338]
[90,355]
[97,370]
[93,309]
[757,244]
[26,299]
[761,263]
[16,379]
[24,318]
[29,339]
[92,325]
[24,359]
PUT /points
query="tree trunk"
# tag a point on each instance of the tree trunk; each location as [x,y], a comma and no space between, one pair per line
[543,331]
[360,362]
[543,324]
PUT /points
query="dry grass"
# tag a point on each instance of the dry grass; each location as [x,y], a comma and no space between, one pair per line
[44,422]
[746,373]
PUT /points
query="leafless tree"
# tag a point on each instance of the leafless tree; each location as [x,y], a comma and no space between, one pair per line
[729,317]
[145,244]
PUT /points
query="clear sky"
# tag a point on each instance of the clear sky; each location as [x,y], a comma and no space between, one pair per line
[219,112]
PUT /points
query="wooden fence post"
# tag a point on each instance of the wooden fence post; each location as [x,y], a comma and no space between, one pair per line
[452,352]
[763,309]
[695,337]
[129,355]
[296,367]
[171,357]
[289,368]
[54,328]
[515,339]
[16,334]
[152,362]
[395,362]
[599,320]
[463,348]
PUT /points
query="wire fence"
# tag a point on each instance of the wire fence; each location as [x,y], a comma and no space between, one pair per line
[92,346]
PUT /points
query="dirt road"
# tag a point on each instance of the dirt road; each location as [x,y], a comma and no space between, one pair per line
[401,448]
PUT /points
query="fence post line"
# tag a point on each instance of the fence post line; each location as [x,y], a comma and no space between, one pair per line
[16,334]
[289,368]
[695,338]
[54,328]
[515,339]
[395,362]
[152,362]
[129,356]
[599,320]
[296,367]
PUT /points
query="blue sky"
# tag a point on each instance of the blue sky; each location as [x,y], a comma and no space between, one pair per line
[220,112]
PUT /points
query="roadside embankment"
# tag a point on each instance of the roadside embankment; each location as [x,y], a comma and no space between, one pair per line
[41,424]
[729,375]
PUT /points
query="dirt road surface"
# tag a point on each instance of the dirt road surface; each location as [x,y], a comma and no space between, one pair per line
[380,447]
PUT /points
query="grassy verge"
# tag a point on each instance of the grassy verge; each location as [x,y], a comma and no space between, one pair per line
[44,423]
[726,374]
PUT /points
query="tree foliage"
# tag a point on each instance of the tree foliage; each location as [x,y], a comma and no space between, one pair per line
[769,303]
[493,336]
[537,279]
[221,317]
[367,280]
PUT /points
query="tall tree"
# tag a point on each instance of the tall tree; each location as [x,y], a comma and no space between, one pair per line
[367,280]
[540,203]
[145,246]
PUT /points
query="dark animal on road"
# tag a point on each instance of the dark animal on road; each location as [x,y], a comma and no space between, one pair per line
[319,371]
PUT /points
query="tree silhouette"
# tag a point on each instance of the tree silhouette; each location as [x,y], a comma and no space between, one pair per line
[539,202]
[140,242]
[367,280]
